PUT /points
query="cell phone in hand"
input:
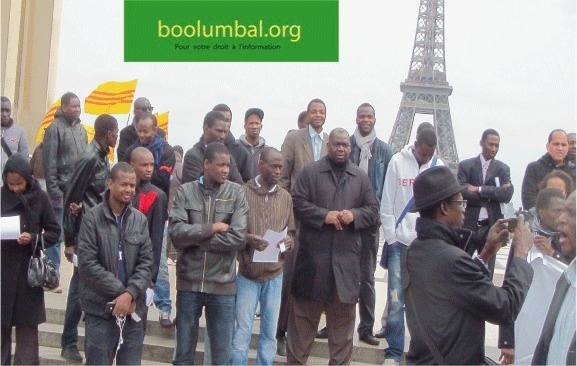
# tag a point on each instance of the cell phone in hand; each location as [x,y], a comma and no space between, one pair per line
[109,307]
[512,224]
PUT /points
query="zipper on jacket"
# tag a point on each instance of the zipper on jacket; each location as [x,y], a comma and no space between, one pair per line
[204,262]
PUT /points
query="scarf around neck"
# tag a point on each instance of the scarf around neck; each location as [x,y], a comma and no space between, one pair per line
[365,144]
[157,148]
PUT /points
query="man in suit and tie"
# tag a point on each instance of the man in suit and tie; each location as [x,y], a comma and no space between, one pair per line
[299,149]
[302,147]
[489,185]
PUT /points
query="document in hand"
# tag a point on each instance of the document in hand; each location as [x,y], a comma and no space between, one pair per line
[11,227]
[275,246]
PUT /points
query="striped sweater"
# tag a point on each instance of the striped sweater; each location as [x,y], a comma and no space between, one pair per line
[267,210]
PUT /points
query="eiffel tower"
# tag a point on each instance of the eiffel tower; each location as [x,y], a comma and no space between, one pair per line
[426,89]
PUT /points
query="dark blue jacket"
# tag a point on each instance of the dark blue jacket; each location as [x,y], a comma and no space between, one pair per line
[381,154]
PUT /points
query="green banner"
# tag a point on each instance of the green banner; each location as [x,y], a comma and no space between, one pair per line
[234,30]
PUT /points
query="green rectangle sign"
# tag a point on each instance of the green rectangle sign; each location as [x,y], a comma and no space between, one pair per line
[233,30]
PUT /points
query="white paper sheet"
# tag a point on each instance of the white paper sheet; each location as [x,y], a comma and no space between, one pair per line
[270,254]
[10,227]
[149,296]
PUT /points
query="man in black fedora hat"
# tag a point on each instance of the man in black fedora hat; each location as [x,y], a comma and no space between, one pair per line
[449,295]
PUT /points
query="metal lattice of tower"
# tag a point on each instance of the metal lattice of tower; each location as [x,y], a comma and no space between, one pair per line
[426,90]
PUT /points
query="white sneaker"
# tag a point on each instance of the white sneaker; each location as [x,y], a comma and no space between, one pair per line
[390,361]
[171,262]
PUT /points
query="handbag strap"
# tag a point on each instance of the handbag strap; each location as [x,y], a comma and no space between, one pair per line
[405,210]
[436,354]
[412,200]
[38,237]
[6,148]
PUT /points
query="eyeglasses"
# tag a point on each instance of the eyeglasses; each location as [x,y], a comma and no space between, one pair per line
[146,109]
[462,202]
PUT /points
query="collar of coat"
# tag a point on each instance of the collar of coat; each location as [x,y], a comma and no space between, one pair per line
[260,190]
[432,229]
[108,211]
[325,166]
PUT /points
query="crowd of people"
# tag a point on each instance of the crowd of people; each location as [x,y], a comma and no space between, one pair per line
[286,234]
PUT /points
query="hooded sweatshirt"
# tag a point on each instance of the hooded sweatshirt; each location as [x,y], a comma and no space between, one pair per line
[253,151]
[15,139]
[397,191]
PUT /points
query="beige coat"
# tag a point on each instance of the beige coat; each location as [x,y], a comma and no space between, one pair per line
[297,152]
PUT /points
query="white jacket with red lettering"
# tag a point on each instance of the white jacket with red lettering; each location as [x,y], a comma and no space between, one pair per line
[397,191]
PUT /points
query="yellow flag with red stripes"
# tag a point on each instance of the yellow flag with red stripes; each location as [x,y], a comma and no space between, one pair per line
[162,123]
[47,120]
[111,97]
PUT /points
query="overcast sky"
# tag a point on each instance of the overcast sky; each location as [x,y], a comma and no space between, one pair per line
[511,64]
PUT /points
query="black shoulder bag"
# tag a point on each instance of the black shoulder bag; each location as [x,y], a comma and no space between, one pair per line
[41,270]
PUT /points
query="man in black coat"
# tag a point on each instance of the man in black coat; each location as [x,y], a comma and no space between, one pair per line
[128,135]
[333,201]
[114,268]
[371,155]
[164,159]
[237,151]
[554,159]
[449,295]
[214,130]
[87,186]
[489,185]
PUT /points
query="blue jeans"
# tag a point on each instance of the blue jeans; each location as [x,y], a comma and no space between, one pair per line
[73,313]
[53,252]
[102,337]
[395,328]
[219,324]
[162,286]
[248,294]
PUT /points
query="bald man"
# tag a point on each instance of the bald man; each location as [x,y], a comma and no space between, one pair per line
[152,202]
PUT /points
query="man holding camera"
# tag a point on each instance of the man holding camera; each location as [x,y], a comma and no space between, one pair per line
[449,295]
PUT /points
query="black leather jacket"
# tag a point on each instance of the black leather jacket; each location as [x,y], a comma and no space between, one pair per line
[207,261]
[64,141]
[87,185]
[98,244]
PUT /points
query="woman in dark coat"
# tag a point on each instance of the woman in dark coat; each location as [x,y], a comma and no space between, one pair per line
[22,305]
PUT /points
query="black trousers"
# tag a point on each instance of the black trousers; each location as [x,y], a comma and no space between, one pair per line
[26,352]
[479,239]
[369,249]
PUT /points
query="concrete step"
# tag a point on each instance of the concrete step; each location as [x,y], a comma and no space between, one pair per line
[159,342]
[160,348]
[51,356]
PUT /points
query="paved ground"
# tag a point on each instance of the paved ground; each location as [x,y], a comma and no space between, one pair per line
[491,336]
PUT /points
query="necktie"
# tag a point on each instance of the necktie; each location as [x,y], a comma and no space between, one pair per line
[317,147]
[485,168]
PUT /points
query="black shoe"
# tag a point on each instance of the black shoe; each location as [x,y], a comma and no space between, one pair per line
[322,334]
[71,354]
[368,338]
[380,333]
[164,319]
[281,345]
